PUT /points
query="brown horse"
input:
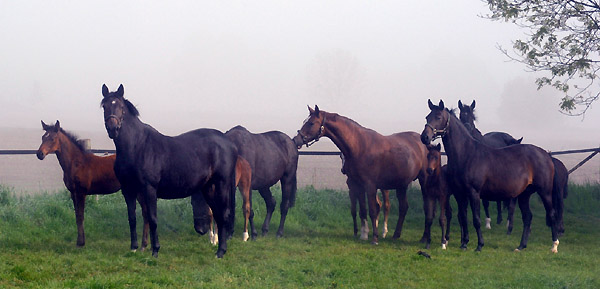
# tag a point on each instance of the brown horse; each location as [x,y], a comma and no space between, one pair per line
[436,190]
[373,161]
[354,199]
[476,170]
[243,178]
[84,173]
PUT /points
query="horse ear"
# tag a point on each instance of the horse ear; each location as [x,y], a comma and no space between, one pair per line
[431,106]
[473,105]
[316,110]
[120,91]
[57,124]
[104,90]
[310,110]
[441,105]
[44,126]
[460,105]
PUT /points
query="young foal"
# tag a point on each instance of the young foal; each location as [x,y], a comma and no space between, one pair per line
[436,190]
[83,173]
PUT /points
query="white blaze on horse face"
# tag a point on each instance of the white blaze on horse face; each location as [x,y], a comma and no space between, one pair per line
[488,223]
[555,247]
[114,101]
[364,230]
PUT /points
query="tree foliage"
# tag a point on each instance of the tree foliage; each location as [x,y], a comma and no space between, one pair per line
[562,40]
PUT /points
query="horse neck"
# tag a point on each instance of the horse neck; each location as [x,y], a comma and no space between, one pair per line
[131,135]
[344,133]
[458,142]
[69,153]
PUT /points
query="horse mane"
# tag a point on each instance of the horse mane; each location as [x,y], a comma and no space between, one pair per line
[72,137]
[334,116]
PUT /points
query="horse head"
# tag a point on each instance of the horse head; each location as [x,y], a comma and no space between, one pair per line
[115,108]
[434,158]
[312,129]
[437,122]
[50,141]
[467,113]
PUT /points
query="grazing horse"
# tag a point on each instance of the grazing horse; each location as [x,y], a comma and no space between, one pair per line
[272,157]
[243,177]
[199,163]
[436,190]
[354,199]
[373,161]
[476,170]
[83,173]
[494,139]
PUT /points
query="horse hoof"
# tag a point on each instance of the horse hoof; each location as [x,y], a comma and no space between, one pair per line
[517,250]
[133,250]
[155,254]
[443,246]
[245,236]
[488,223]
[374,243]
[220,253]
[555,247]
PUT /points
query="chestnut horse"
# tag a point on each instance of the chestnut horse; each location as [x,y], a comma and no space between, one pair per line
[243,177]
[199,163]
[437,190]
[83,173]
[476,170]
[373,161]
[354,199]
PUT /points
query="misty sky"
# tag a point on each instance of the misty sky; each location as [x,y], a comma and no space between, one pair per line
[191,64]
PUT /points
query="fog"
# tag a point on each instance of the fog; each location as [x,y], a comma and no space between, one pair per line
[191,64]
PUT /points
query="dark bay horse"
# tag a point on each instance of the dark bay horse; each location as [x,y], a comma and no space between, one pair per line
[354,199]
[83,173]
[476,170]
[243,178]
[199,163]
[273,157]
[372,161]
[494,139]
[501,139]
[437,190]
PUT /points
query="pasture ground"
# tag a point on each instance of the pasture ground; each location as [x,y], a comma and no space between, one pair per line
[38,233]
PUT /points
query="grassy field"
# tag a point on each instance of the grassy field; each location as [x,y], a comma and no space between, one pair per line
[38,233]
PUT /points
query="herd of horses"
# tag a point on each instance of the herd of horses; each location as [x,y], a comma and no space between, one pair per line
[208,165]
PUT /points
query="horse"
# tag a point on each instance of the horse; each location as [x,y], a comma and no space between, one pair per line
[494,139]
[199,163]
[372,161]
[243,177]
[501,139]
[354,199]
[476,170]
[272,157]
[436,190]
[83,173]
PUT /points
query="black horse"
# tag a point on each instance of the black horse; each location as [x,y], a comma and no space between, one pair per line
[199,163]
[476,170]
[494,139]
[273,157]
[502,139]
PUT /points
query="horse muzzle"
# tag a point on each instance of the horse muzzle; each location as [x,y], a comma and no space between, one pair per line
[425,138]
[40,155]
[202,225]
[298,141]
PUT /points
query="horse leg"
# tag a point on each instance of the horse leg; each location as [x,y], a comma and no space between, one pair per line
[511,213]
[352,193]
[429,208]
[526,216]
[246,207]
[386,211]
[551,217]
[462,202]
[130,201]
[251,219]
[448,213]
[499,208]
[146,228]
[443,219]
[475,201]
[486,209]
[288,191]
[270,203]
[402,209]
[79,204]
[151,204]
[374,207]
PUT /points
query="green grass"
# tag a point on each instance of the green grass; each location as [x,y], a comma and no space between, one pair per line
[38,234]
